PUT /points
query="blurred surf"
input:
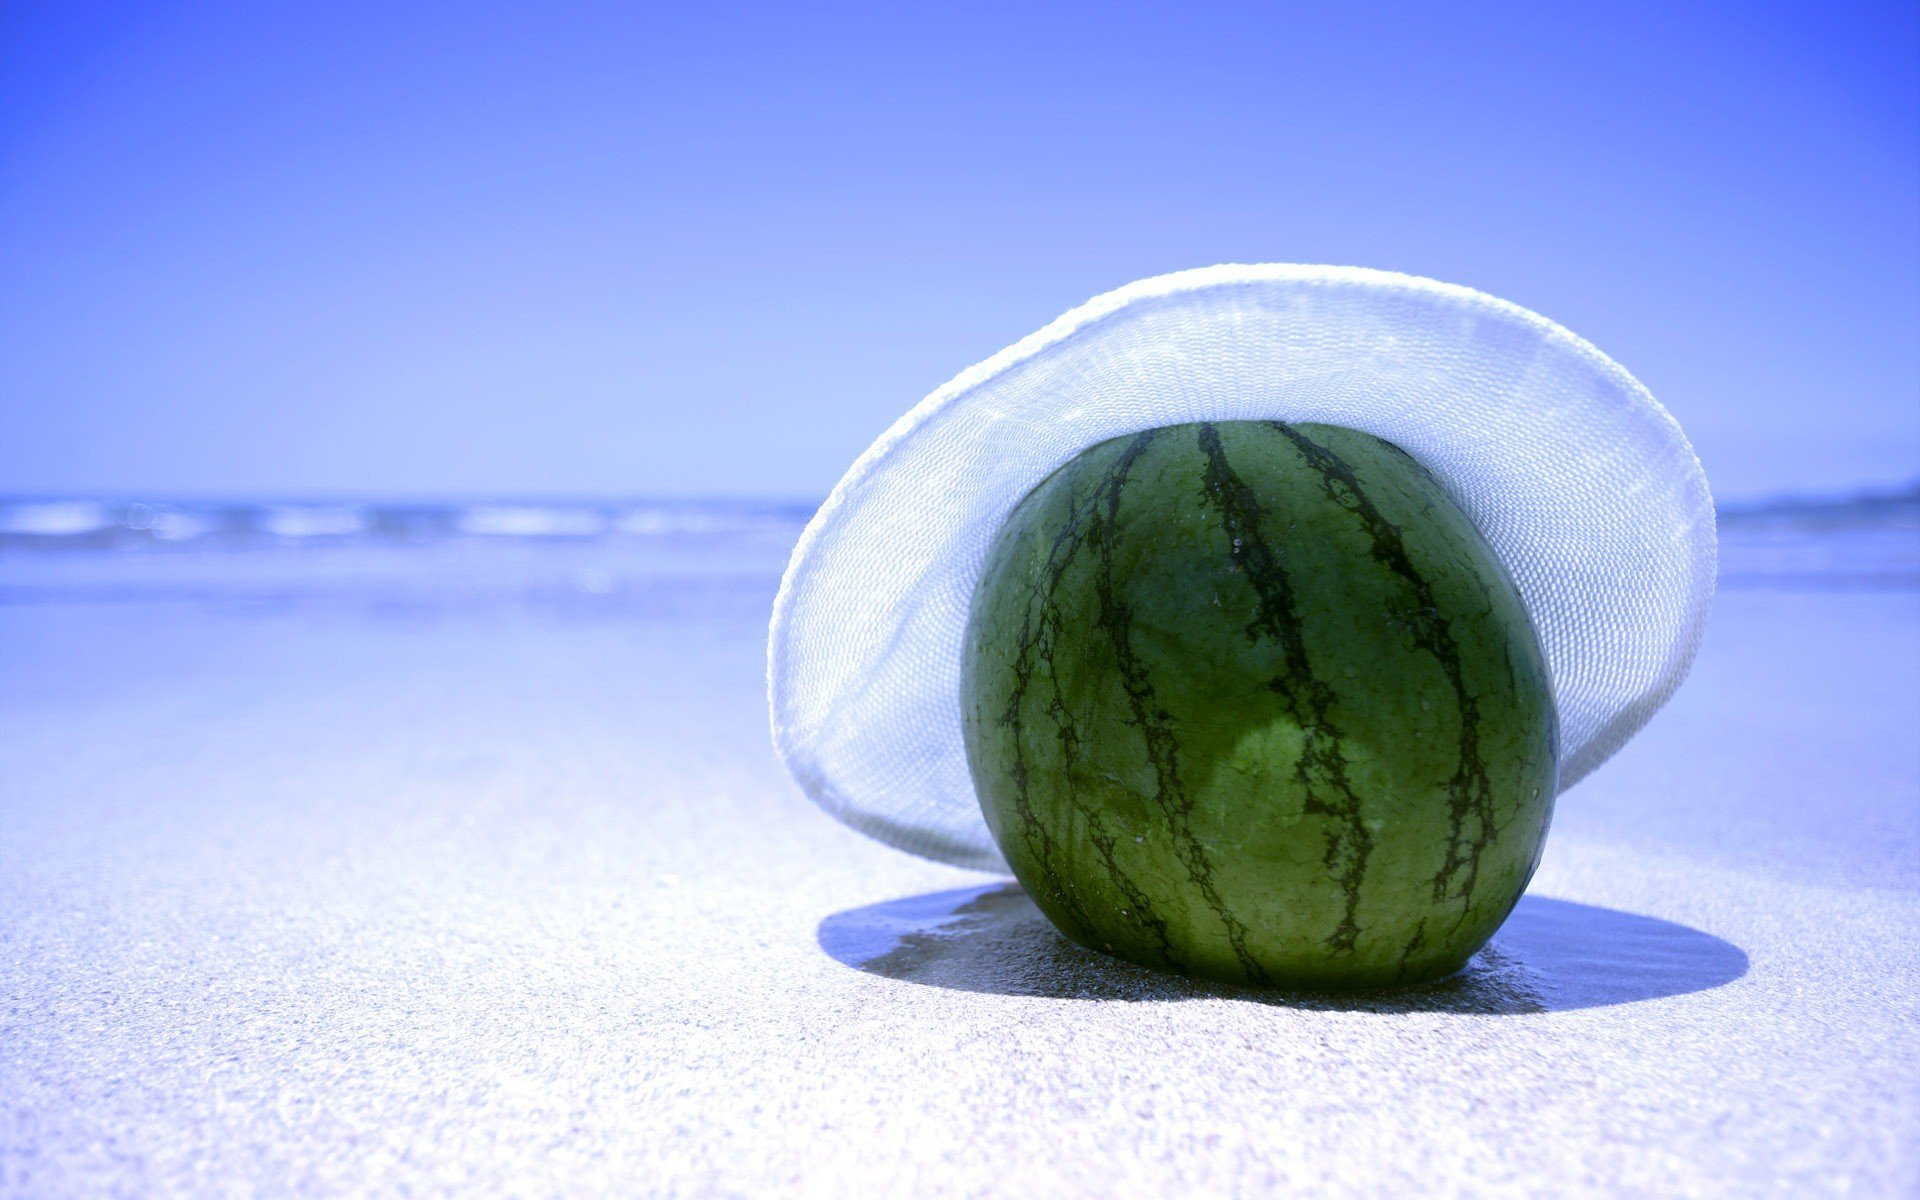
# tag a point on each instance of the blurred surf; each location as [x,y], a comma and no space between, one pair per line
[612,554]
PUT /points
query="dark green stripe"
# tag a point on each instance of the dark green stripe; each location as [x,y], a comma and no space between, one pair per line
[1153,722]
[1322,769]
[1089,522]
[1470,791]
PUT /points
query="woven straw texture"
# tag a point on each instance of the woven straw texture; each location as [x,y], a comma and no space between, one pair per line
[1583,484]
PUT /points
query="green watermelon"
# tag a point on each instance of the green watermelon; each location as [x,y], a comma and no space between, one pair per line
[1256,702]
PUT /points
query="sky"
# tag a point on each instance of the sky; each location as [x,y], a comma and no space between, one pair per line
[575,249]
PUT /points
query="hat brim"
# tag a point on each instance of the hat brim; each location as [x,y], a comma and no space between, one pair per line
[1582,483]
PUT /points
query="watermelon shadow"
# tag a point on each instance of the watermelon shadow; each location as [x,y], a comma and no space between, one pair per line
[1551,956]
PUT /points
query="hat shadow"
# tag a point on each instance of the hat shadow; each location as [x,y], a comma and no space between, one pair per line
[1550,956]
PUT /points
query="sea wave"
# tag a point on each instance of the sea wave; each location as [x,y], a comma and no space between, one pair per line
[38,523]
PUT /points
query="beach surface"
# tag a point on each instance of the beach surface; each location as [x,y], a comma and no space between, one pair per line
[354,867]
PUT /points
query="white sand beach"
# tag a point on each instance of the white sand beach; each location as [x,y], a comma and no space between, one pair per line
[322,875]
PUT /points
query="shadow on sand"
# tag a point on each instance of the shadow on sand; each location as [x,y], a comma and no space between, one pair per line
[1550,956]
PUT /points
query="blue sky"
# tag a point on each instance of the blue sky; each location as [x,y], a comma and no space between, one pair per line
[575,249]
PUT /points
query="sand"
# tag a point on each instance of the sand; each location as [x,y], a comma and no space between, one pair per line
[314,886]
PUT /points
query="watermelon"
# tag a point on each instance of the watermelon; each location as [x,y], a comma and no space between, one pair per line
[1255,702]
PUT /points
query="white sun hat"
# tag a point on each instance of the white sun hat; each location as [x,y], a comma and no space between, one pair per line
[1581,482]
